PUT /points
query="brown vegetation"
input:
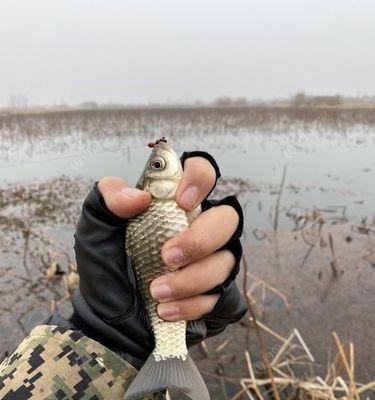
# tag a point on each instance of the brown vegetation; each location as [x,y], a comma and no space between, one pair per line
[101,123]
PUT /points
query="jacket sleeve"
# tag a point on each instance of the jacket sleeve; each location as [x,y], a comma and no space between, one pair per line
[57,363]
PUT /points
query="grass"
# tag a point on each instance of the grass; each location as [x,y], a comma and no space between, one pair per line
[339,383]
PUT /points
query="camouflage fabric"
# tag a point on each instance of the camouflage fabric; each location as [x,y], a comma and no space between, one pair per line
[53,363]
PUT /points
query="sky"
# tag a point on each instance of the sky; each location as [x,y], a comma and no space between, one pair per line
[137,51]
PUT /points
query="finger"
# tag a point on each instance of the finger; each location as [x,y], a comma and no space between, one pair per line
[188,309]
[197,181]
[196,278]
[210,231]
[121,199]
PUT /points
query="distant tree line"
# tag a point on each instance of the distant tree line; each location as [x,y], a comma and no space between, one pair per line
[300,99]
[227,101]
[303,100]
[223,101]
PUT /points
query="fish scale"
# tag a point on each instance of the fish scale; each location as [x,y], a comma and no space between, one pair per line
[146,234]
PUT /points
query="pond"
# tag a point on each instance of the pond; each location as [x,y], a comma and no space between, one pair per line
[323,162]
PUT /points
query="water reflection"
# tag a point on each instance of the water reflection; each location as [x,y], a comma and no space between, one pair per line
[321,169]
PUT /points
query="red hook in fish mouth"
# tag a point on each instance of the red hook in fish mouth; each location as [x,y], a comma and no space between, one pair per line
[153,144]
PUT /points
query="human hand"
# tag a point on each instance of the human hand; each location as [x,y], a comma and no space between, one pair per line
[199,266]
[193,254]
[107,283]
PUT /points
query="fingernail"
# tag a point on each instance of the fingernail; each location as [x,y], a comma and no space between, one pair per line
[166,311]
[160,292]
[189,197]
[131,192]
[174,256]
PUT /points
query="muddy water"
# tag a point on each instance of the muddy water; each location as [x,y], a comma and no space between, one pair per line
[329,166]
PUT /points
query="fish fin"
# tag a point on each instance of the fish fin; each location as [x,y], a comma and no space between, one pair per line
[197,326]
[141,312]
[174,374]
[140,308]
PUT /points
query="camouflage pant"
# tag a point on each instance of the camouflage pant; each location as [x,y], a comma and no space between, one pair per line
[60,364]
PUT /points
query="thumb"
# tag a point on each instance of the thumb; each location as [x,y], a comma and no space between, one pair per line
[122,200]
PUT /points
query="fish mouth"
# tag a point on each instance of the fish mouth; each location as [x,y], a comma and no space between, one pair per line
[163,146]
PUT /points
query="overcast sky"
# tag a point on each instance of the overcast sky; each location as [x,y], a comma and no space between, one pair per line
[139,51]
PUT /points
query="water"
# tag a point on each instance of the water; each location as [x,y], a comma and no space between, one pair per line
[329,163]
[322,170]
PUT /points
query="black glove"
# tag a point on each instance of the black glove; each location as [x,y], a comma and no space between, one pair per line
[105,303]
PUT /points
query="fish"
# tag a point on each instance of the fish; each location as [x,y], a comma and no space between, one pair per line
[169,366]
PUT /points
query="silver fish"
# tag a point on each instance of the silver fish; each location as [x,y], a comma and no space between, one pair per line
[169,365]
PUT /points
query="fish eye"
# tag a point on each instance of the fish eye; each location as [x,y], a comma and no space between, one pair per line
[158,163]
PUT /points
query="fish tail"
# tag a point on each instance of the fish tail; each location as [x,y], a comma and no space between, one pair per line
[175,374]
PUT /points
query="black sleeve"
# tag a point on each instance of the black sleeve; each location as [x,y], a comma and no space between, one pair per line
[105,302]
[101,258]
[229,309]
